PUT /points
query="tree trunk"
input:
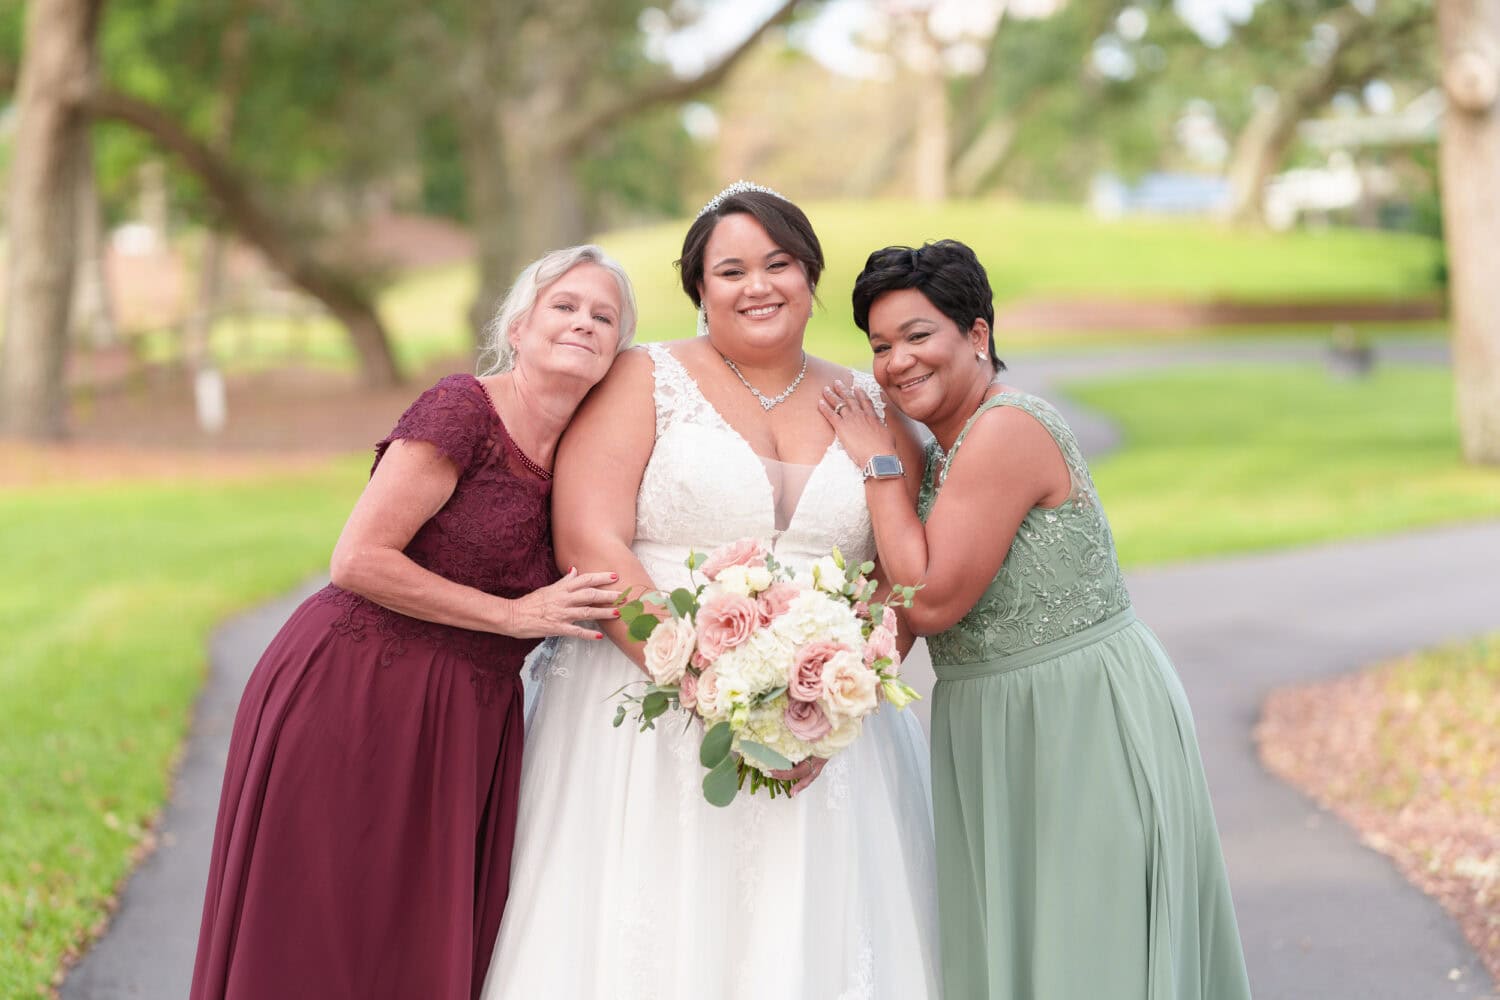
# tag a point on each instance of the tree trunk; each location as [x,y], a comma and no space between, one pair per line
[1470,162]
[524,198]
[1259,151]
[342,296]
[487,187]
[93,317]
[58,43]
[1261,147]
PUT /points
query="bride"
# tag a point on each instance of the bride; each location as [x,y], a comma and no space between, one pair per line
[625,882]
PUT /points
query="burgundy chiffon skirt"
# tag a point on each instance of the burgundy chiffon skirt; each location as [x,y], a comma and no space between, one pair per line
[366,823]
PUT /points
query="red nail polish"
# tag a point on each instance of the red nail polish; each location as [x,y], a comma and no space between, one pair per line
[616,612]
[613,577]
[598,635]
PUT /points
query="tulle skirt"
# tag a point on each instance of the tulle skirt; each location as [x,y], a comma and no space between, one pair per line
[627,884]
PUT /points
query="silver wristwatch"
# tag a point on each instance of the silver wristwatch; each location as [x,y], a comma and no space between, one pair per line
[883,467]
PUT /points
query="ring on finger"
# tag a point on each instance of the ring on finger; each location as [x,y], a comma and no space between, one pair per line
[836,409]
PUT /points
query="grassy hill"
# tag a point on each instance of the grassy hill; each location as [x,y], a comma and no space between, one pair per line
[1031,250]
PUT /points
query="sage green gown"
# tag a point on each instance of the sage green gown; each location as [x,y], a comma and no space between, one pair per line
[1077,853]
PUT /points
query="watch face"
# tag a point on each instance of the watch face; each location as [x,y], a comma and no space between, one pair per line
[882,466]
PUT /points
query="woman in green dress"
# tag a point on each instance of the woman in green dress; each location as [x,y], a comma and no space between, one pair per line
[1077,853]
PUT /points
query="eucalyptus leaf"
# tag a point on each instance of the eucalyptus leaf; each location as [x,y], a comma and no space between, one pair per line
[764,755]
[715,747]
[722,784]
[619,716]
[684,602]
[643,626]
[766,697]
[654,704]
[867,567]
[630,612]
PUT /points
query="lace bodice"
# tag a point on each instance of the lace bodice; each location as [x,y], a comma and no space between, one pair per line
[1061,574]
[704,486]
[494,533]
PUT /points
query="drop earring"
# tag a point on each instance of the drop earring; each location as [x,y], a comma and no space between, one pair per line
[702,321]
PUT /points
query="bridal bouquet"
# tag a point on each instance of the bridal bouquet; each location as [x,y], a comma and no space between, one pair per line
[779,666]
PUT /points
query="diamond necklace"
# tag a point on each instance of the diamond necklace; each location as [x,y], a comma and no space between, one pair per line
[767,403]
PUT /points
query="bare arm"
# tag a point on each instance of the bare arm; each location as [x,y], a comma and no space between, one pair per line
[600,461]
[412,483]
[912,460]
[1008,464]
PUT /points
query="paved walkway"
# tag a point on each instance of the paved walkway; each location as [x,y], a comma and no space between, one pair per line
[1322,917]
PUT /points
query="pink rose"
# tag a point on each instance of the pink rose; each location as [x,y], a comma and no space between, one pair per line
[687,690]
[881,643]
[775,599]
[707,695]
[725,622]
[668,649]
[888,620]
[861,609]
[806,721]
[745,552]
[804,676]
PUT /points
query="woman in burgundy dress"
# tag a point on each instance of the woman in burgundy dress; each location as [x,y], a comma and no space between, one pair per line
[365,826]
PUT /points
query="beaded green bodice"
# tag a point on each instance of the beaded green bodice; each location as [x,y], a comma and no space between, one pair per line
[1061,575]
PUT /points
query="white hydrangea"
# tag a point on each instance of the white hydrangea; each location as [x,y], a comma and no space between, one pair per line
[759,664]
[767,726]
[815,616]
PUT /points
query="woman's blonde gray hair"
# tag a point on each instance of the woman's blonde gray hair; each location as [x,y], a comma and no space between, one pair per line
[521,299]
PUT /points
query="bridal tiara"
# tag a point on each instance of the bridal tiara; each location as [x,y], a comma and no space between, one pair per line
[738,187]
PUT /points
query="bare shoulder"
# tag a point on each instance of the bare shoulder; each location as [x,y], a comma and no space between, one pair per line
[629,382]
[1007,431]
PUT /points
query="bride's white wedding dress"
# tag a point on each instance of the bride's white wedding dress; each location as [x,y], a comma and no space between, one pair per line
[625,882]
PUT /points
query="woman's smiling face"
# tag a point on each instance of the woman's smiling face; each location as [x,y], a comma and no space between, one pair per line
[753,291]
[923,361]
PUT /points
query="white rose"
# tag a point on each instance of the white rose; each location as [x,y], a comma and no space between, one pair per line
[734,580]
[839,738]
[668,649]
[759,578]
[849,688]
[827,576]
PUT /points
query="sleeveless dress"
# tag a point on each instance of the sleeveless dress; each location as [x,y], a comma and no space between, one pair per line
[1077,853]
[364,830]
[627,884]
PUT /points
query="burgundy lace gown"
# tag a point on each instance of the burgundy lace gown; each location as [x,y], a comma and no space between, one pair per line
[369,804]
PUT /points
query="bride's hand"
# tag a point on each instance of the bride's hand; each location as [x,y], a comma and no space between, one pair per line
[852,416]
[804,773]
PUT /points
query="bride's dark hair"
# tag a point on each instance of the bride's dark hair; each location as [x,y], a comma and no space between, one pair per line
[947,272]
[784,222]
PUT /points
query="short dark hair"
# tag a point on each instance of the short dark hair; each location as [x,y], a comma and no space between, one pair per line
[947,272]
[784,222]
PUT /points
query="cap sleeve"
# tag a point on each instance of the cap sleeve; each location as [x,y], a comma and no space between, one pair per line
[447,416]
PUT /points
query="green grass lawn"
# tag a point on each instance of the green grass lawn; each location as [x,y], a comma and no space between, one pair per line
[1235,460]
[107,601]
[1029,250]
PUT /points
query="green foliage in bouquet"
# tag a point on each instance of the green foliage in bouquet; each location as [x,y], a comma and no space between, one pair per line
[730,765]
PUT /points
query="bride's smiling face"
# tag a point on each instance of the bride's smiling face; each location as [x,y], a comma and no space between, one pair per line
[754,292]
